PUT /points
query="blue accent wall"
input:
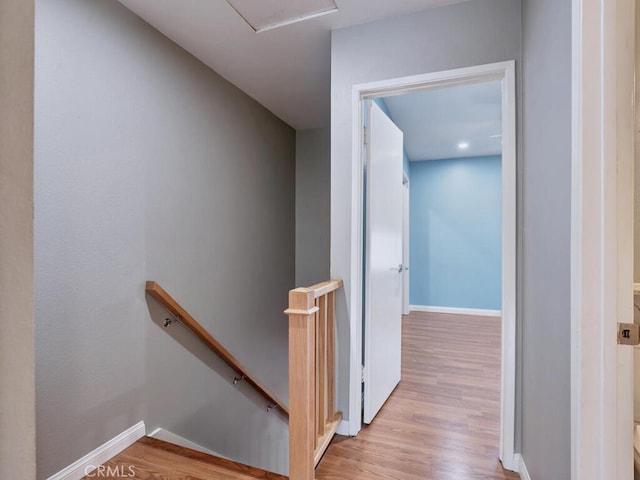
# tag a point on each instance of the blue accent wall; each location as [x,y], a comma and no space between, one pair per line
[406,167]
[455,233]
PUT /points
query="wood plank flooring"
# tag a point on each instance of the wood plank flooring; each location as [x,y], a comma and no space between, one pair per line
[152,459]
[442,421]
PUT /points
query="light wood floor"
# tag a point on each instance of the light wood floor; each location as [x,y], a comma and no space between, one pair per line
[442,421]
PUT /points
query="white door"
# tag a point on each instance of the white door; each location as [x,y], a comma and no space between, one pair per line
[384,270]
[620,178]
[602,240]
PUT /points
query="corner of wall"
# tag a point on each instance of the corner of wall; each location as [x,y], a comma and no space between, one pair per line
[17,368]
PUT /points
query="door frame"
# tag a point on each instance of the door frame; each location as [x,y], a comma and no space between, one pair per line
[602,164]
[497,71]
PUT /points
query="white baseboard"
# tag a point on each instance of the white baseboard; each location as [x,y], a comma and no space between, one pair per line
[522,468]
[512,463]
[457,311]
[343,428]
[170,437]
[110,449]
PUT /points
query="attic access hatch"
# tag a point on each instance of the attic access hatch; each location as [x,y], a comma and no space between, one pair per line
[263,15]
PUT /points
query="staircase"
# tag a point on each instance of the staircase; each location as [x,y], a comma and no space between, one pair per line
[313,418]
[151,459]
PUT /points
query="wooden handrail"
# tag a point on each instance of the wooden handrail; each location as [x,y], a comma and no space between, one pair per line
[167,301]
[320,289]
[313,420]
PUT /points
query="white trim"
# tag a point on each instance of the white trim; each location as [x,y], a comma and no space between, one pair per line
[170,437]
[603,59]
[343,428]
[522,467]
[356,267]
[80,468]
[498,71]
[481,312]
[509,261]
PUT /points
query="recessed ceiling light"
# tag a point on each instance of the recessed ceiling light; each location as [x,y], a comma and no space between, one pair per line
[463,145]
[263,15]
[496,136]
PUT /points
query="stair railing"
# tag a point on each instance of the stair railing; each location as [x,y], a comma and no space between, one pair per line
[167,301]
[313,419]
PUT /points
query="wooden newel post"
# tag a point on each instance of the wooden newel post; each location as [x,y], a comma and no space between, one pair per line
[302,383]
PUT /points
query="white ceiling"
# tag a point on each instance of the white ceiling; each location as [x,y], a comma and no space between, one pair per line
[286,69]
[436,121]
[264,15]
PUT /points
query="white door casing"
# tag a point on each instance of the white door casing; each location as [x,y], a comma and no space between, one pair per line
[504,71]
[384,272]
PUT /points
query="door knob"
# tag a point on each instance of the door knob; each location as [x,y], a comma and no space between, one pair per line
[402,268]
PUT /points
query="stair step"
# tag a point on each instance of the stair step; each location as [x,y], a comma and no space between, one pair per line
[150,458]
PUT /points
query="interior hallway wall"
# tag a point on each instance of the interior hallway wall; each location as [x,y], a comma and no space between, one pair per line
[469,33]
[313,209]
[150,166]
[17,396]
[545,272]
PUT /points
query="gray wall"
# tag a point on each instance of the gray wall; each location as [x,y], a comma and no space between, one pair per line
[313,212]
[17,397]
[462,35]
[148,165]
[546,128]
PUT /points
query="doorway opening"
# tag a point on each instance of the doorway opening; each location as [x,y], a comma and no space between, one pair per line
[504,73]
